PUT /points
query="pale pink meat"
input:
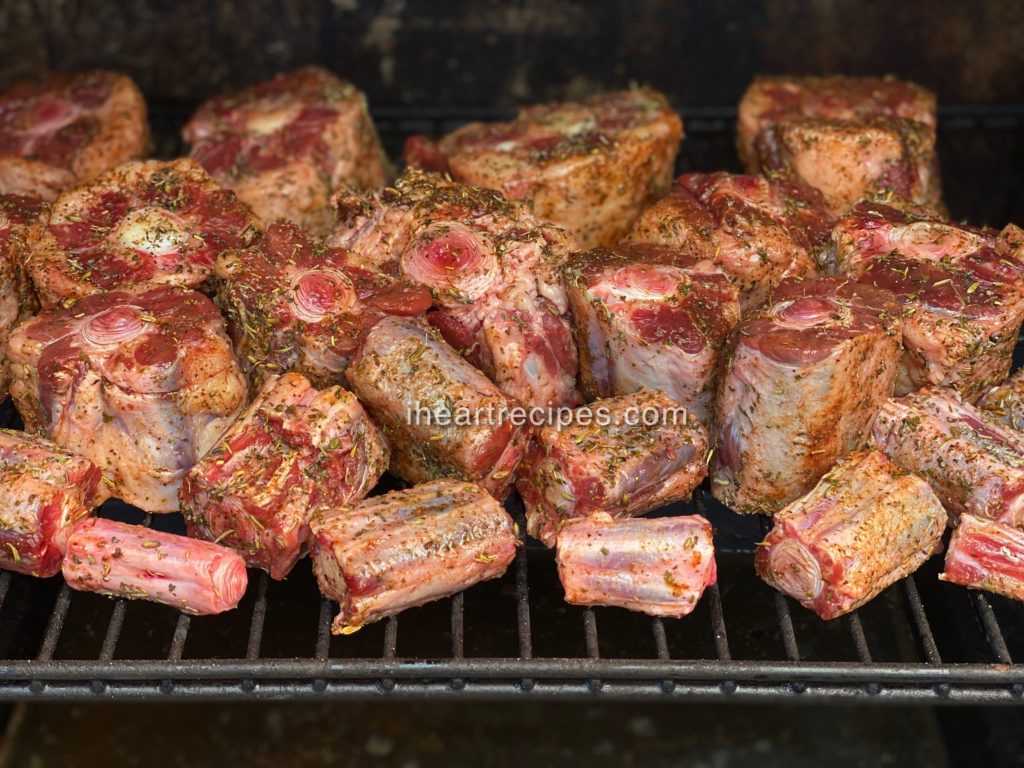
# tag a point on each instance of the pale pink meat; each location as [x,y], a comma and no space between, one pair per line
[142,382]
[660,567]
[22,220]
[295,450]
[866,525]
[68,128]
[625,455]
[138,563]
[985,554]
[492,269]
[407,548]
[44,491]
[973,462]
[590,166]
[805,379]
[1005,401]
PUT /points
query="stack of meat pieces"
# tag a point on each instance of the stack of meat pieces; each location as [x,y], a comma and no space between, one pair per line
[22,220]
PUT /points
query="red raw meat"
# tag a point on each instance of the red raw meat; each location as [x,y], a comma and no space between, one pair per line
[44,491]
[407,548]
[294,451]
[22,220]
[293,305]
[985,554]
[660,567]
[138,563]
[66,129]
[142,382]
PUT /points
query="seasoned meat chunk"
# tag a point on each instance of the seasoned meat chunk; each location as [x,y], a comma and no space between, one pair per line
[973,462]
[68,128]
[138,563]
[442,416]
[961,290]
[493,271]
[807,376]
[758,231]
[650,316]
[22,220]
[850,138]
[659,567]
[865,526]
[293,305]
[142,382]
[1006,401]
[589,166]
[407,548]
[152,221]
[985,554]
[294,451]
[286,144]
[44,491]
[623,455]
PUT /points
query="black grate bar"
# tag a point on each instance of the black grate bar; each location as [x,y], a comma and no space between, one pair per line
[5,584]
[924,630]
[523,606]
[785,619]
[860,642]
[590,634]
[323,631]
[56,624]
[992,630]
[718,623]
[180,634]
[660,640]
[259,616]
[116,622]
[458,618]
[390,637]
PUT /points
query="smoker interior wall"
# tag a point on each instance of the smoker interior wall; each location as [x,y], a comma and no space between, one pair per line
[465,53]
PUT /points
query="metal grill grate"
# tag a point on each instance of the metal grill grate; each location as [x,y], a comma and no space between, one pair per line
[921,640]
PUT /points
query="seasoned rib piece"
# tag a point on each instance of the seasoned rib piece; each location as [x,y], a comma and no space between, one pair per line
[68,128]
[590,166]
[493,271]
[138,563]
[623,455]
[407,548]
[44,491]
[21,221]
[293,305]
[142,382]
[649,316]
[865,526]
[984,554]
[972,461]
[443,417]
[962,291]
[292,452]
[1006,401]
[773,100]
[157,221]
[659,567]
[807,376]
[285,144]
[758,231]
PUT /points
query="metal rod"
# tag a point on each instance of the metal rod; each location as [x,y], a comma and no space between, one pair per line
[660,640]
[323,631]
[590,634]
[718,623]
[113,630]
[992,629]
[924,630]
[785,619]
[259,615]
[860,642]
[390,637]
[523,606]
[5,583]
[56,624]
[178,641]
[457,625]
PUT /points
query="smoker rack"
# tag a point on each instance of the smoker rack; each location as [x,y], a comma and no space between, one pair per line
[920,641]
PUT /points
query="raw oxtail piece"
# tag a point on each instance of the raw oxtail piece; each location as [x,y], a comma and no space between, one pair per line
[442,417]
[44,491]
[866,525]
[68,128]
[650,316]
[294,305]
[624,456]
[589,166]
[960,290]
[295,450]
[807,376]
[406,548]
[284,145]
[972,461]
[22,220]
[660,567]
[758,231]
[142,382]
[138,563]
[492,269]
[1005,401]
[152,221]
[986,554]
